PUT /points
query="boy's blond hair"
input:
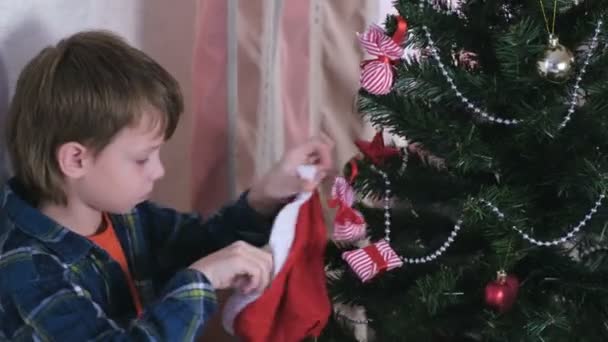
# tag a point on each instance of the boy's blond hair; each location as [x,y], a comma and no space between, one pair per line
[85,89]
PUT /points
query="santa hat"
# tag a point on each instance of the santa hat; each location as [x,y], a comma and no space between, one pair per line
[296,304]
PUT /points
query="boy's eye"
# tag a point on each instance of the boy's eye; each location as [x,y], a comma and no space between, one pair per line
[141,161]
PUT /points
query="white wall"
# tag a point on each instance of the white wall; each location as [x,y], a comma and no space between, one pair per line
[384,7]
[164,29]
[28,25]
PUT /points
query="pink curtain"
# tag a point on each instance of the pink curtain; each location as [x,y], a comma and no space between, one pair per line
[297,74]
[209,149]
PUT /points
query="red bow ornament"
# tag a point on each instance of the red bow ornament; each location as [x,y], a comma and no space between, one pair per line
[372,260]
[377,74]
[349,224]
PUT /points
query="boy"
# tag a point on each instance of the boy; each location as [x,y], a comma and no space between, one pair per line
[83,255]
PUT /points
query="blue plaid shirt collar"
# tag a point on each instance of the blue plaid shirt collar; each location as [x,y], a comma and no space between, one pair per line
[68,245]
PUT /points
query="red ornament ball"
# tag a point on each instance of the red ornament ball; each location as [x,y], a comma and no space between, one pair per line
[502,292]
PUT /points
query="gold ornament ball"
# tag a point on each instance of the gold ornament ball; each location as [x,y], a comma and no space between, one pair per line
[557,62]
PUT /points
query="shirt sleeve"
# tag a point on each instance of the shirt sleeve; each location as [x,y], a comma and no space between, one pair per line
[181,238]
[54,309]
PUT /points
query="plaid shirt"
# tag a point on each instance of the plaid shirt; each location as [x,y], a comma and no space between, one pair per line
[57,285]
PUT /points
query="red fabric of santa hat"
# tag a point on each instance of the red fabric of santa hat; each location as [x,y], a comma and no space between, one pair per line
[296,304]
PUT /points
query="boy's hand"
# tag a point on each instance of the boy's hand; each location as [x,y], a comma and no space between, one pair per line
[240,265]
[283,182]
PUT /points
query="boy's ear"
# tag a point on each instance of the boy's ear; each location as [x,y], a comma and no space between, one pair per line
[73,159]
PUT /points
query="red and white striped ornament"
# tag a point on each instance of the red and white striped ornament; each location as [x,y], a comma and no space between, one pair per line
[372,260]
[343,192]
[377,74]
[349,224]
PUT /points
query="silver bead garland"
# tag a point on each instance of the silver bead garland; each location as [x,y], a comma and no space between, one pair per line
[446,244]
[557,241]
[387,226]
[458,226]
[493,118]
[465,101]
[579,78]
[387,204]
[587,252]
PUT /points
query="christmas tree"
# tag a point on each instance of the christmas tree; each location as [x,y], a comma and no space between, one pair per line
[488,223]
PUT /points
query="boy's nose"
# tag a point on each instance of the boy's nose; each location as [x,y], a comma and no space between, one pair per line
[159,170]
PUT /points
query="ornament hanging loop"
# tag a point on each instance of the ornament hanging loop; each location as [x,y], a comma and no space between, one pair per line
[550,30]
[553,41]
[501,276]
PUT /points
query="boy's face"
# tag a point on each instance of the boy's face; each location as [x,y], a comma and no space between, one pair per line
[124,172]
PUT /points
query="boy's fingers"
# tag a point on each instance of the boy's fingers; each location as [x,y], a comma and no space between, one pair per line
[257,263]
[242,282]
[260,278]
[263,264]
[253,276]
[319,152]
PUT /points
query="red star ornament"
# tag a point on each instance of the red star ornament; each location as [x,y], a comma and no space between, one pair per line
[375,149]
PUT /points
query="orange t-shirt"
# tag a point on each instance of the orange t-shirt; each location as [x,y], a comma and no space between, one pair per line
[107,240]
